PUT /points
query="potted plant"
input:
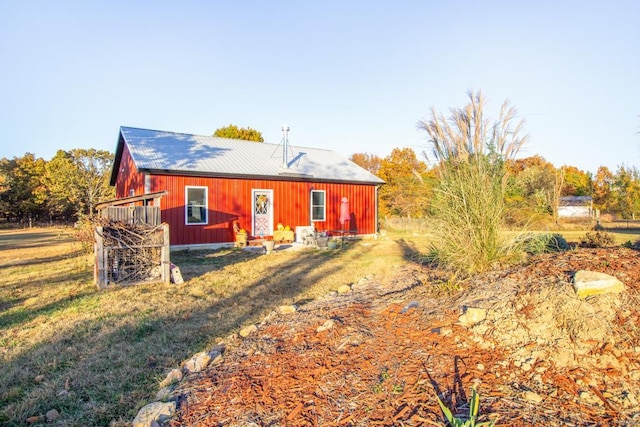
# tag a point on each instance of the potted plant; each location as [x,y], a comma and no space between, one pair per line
[269,245]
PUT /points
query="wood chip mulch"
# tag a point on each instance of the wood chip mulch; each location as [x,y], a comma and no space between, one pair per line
[389,349]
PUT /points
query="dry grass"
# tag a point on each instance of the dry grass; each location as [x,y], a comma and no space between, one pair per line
[97,356]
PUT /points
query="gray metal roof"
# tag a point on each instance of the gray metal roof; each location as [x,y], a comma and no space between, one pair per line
[179,153]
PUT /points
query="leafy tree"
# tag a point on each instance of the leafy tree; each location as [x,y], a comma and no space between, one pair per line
[93,169]
[21,187]
[469,201]
[60,181]
[404,193]
[234,132]
[370,162]
[77,180]
[576,182]
[626,191]
[601,189]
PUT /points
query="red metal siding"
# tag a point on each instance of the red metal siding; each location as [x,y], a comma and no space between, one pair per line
[128,177]
[230,199]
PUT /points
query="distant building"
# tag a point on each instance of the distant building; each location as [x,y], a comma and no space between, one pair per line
[575,207]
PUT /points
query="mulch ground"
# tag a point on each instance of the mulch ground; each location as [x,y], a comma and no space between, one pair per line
[387,349]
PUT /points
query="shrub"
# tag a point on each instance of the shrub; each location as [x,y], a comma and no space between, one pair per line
[632,245]
[468,203]
[540,243]
[597,239]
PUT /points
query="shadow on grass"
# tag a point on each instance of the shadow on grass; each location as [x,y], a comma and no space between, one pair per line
[13,315]
[24,239]
[103,369]
[412,253]
[36,261]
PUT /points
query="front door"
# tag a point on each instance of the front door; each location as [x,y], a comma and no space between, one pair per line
[262,212]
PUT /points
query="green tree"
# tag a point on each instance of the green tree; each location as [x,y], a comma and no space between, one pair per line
[538,182]
[20,193]
[234,132]
[404,193]
[576,182]
[626,192]
[77,180]
[469,208]
[60,183]
[93,173]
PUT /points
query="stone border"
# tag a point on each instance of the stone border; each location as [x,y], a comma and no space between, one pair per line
[159,412]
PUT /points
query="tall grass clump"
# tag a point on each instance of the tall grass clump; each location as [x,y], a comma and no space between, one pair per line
[468,205]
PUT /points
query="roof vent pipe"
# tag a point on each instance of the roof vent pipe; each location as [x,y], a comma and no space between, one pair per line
[285,146]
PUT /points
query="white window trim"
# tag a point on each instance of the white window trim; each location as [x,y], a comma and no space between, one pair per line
[186,206]
[324,206]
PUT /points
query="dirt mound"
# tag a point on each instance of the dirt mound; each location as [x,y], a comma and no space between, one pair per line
[379,354]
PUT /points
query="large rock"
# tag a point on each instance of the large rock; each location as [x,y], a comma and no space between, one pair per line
[198,362]
[245,332]
[587,283]
[154,413]
[172,377]
[472,315]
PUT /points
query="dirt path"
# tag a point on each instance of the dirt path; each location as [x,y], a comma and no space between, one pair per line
[540,357]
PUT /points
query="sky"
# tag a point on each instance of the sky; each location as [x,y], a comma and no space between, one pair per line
[350,76]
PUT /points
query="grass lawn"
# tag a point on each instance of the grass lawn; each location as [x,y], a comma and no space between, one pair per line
[97,356]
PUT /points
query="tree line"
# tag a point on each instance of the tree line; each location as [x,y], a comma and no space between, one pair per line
[67,187]
[533,186]
[63,189]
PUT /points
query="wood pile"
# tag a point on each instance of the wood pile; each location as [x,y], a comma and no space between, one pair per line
[131,253]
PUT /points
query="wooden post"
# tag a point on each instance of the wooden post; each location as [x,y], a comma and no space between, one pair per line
[165,259]
[100,268]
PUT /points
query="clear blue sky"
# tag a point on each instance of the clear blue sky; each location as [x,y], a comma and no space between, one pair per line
[353,76]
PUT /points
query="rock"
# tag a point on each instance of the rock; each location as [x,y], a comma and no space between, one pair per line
[444,331]
[344,289]
[412,304]
[216,354]
[532,397]
[198,362]
[326,326]
[287,309]
[588,398]
[164,394]
[158,412]
[472,315]
[172,377]
[587,283]
[176,276]
[245,332]
[52,415]
[33,420]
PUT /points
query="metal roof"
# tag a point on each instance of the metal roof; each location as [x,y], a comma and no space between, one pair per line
[179,153]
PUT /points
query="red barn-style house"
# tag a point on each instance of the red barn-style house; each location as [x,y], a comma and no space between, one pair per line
[212,183]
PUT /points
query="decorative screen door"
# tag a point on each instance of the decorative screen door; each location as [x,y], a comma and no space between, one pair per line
[262,212]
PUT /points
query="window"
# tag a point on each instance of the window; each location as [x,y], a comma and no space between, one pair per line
[147,183]
[318,205]
[196,205]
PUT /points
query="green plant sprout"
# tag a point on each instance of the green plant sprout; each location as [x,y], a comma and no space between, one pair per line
[474,407]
